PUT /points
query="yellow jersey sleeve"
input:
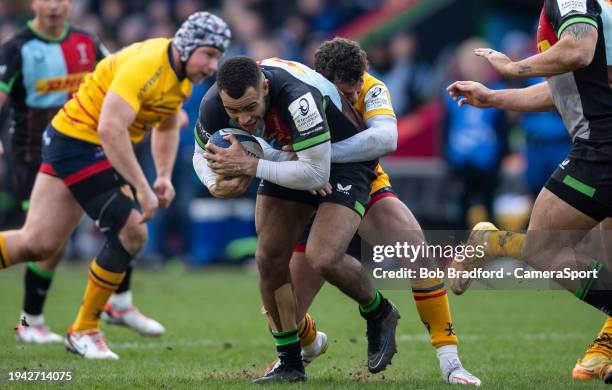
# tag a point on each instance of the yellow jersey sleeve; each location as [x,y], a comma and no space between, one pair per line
[374,98]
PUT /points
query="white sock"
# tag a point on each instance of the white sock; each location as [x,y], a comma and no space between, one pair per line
[121,301]
[32,320]
[448,357]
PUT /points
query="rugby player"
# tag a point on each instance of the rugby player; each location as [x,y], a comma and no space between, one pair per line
[36,93]
[344,63]
[572,40]
[88,162]
[289,104]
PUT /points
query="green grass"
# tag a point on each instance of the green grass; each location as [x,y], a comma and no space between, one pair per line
[217,339]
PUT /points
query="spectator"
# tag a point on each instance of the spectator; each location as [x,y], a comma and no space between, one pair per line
[475,142]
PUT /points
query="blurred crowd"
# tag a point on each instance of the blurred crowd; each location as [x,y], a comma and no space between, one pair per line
[477,145]
[260,27]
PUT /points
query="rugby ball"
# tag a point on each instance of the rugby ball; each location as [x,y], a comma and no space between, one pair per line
[248,142]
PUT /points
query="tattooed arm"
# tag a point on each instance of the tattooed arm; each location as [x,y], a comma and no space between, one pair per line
[574,50]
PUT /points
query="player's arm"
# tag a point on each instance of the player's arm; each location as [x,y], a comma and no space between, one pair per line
[272,154]
[379,139]
[164,145]
[574,50]
[536,98]
[309,172]
[575,24]
[116,117]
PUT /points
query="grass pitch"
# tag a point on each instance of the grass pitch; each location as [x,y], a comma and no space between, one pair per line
[215,337]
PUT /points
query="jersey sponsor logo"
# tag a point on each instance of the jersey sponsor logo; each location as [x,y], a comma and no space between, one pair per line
[344,189]
[3,69]
[567,6]
[149,83]
[305,114]
[68,84]
[377,98]
[304,107]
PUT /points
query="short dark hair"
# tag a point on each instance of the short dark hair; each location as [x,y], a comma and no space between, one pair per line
[342,60]
[237,74]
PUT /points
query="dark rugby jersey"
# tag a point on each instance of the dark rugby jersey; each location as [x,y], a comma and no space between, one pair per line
[298,111]
[40,74]
[583,97]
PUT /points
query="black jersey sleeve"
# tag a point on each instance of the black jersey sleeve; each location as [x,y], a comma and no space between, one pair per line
[212,117]
[10,65]
[304,110]
[563,13]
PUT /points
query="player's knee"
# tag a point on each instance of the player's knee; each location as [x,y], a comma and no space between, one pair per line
[271,260]
[133,236]
[324,262]
[114,257]
[401,222]
[41,250]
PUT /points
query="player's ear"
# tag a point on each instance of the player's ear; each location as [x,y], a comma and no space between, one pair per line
[266,86]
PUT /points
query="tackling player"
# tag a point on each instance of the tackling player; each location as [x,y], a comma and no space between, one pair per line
[89,163]
[289,104]
[344,63]
[572,40]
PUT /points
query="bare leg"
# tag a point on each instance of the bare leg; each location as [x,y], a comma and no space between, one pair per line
[306,283]
[53,215]
[554,229]
[332,231]
[279,224]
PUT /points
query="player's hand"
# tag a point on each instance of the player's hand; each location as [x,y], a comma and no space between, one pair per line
[148,203]
[324,191]
[502,64]
[164,190]
[230,187]
[231,162]
[472,93]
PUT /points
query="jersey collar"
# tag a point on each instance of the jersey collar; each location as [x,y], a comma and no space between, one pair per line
[180,74]
[40,35]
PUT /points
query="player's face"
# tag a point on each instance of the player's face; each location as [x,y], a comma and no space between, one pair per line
[51,13]
[202,64]
[350,91]
[249,109]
